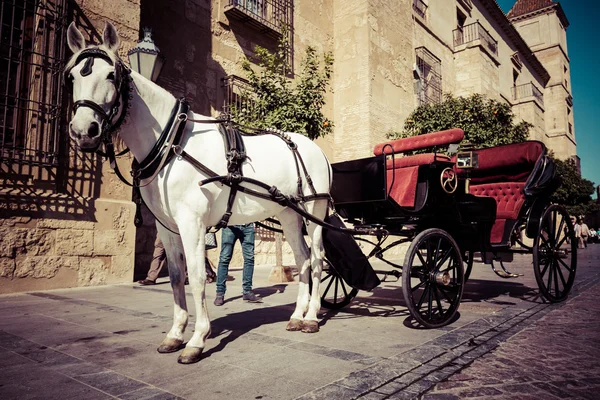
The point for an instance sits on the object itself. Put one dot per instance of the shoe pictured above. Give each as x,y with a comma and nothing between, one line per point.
220,299
251,297
146,282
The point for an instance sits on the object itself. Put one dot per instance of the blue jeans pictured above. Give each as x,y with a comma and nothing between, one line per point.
229,234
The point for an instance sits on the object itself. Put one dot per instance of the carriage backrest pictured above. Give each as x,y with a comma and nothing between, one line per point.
420,142
508,163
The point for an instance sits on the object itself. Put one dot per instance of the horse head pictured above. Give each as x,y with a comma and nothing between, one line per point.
96,76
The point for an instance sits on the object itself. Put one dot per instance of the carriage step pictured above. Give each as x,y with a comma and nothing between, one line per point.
504,273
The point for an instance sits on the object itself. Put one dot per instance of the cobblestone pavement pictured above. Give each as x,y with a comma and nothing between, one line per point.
550,351
99,343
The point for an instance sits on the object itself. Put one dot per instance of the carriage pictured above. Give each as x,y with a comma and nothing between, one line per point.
195,172
492,201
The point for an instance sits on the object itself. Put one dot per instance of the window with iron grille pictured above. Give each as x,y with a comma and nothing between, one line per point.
266,16
429,68
32,52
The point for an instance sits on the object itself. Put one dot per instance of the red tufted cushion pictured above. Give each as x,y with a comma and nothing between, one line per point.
508,195
419,142
509,198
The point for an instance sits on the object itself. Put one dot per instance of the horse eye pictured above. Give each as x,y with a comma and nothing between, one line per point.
111,76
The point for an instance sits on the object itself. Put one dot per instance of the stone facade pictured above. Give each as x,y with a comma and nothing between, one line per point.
87,236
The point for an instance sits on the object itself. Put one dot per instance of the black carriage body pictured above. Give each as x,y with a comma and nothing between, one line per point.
361,196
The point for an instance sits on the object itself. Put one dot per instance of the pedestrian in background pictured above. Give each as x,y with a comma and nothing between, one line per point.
229,235
159,259
585,233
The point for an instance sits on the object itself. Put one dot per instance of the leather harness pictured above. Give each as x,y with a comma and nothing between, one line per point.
168,146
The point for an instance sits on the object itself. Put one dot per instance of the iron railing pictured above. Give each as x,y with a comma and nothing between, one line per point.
32,52
430,71
267,16
528,90
237,94
420,8
475,31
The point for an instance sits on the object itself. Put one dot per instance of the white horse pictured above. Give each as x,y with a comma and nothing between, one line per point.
174,197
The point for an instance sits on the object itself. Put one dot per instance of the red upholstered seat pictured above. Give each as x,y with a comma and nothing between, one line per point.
403,172
502,173
416,160
419,142
508,195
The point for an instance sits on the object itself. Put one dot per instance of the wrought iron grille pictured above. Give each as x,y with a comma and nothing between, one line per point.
32,52
475,31
420,8
430,71
267,16
528,90
237,94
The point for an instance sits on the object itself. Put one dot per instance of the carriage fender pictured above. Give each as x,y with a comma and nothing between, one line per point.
535,215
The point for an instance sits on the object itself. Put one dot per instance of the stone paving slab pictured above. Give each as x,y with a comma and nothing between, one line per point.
100,343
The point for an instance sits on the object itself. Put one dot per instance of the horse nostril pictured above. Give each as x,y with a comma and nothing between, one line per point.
93,130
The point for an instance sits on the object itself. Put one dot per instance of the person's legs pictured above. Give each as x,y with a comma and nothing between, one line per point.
227,242
159,258
247,241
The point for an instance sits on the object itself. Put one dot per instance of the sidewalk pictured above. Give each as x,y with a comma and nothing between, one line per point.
100,342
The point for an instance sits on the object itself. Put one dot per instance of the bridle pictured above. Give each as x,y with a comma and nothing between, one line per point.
121,79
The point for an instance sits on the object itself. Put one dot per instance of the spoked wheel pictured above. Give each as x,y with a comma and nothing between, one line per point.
555,254
335,293
433,278
468,259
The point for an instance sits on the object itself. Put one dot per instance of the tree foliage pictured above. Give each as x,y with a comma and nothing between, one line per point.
575,192
274,101
486,122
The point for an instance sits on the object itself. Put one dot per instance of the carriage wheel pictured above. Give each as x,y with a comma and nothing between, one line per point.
433,278
335,293
555,254
468,259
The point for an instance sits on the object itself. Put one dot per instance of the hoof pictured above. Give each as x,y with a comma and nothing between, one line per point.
170,345
310,327
190,355
294,325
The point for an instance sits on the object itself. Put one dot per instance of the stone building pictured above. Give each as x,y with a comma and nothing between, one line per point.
66,220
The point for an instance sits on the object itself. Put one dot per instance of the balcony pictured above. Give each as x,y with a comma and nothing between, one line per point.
528,90
266,16
473,32
237,94
420,8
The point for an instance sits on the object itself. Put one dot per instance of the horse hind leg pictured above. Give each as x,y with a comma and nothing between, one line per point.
176,264
292,227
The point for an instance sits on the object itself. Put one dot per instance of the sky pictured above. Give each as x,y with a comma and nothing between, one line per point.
584,52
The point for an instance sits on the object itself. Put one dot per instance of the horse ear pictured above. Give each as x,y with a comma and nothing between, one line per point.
111,37
75,39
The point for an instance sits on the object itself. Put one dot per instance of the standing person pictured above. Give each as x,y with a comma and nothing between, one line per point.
245,234
577,228
585,233
159,259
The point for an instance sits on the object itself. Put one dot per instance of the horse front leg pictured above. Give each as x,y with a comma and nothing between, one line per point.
292,227
176,263
192,236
